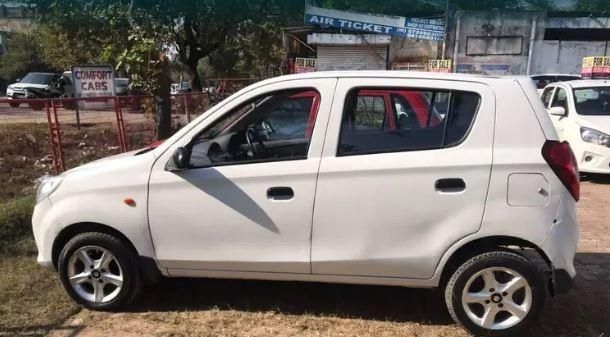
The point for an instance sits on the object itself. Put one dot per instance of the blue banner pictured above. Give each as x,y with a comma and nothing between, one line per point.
414,28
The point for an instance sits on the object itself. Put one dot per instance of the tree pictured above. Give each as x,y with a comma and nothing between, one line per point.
593,6
22,57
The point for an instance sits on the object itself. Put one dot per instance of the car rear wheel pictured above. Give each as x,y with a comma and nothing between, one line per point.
498,293
98,271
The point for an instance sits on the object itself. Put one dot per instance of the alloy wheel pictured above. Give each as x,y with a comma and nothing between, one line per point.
497,298
95,274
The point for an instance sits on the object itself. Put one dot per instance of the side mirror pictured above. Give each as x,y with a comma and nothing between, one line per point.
179,161
18,80
557,111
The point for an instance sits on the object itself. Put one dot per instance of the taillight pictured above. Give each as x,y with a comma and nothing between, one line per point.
561,159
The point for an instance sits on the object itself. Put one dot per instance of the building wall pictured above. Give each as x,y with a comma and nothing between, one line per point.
492,42
557,56
403,50
565,57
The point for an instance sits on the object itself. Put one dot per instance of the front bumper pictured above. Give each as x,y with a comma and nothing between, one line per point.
592,158
40,227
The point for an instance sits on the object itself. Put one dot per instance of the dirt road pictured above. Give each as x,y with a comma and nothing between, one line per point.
256,308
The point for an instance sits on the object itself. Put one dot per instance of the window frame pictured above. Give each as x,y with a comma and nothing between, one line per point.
299,91
551,96
390,90
555,93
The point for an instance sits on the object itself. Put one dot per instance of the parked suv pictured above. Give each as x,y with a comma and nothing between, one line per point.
387,178
40,81
580,111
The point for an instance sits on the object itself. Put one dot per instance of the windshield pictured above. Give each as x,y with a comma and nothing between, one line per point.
37,78
593,101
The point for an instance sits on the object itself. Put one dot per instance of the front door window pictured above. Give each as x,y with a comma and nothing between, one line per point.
272,127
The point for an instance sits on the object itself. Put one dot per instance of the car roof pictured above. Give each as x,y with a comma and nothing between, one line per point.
396,74
40,73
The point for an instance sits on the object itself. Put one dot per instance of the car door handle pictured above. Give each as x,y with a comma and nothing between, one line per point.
280,193
450,185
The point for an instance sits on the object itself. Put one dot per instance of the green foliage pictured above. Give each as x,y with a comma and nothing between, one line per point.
23,56
599,6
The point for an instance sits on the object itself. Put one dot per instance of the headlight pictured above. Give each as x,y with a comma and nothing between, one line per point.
47,187
594,136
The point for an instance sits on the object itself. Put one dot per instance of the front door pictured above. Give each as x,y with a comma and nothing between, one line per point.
391,200
246,202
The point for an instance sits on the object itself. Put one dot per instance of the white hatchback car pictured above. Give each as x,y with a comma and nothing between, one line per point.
317,177
580,111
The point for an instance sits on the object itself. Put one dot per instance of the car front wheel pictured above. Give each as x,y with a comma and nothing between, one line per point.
98,271
497,293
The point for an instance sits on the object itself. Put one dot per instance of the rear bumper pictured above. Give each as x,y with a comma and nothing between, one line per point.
561,241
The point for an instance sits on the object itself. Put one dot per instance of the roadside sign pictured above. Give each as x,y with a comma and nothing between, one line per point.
432,29
93,81
439,66
304,65
596,67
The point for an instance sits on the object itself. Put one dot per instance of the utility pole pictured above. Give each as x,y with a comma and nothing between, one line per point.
444,52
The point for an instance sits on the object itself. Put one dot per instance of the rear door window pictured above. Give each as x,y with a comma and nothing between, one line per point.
424,119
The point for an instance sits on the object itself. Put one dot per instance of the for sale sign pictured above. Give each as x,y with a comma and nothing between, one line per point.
92,81
304,65
439,66
596,67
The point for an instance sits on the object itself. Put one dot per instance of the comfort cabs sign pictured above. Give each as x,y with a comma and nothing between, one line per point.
92,81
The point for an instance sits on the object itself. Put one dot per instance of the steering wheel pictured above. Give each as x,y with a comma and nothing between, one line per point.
251,136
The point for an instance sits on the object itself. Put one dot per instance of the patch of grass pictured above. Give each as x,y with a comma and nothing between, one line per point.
16,227
32,301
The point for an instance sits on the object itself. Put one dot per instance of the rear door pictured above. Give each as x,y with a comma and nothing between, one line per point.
389,202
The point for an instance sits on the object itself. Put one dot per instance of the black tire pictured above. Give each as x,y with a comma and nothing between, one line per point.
14,105
503,259
124,256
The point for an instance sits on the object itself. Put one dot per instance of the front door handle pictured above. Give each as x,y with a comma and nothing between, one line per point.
280,193
450,185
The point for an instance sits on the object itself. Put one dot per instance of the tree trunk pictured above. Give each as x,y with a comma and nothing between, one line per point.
163,100
196,84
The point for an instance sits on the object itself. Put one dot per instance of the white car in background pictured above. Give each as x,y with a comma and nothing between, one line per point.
34,80
314,177
580,111
542,80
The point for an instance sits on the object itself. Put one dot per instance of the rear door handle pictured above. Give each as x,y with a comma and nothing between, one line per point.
280,193
450,185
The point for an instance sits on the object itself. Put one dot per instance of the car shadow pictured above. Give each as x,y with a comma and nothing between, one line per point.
296,298
584,311
213,183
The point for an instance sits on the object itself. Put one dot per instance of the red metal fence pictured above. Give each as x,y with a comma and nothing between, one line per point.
133,117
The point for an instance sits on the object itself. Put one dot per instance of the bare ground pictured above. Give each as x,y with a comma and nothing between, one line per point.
256,308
